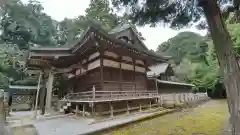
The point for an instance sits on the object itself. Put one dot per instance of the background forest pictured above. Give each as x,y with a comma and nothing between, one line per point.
26,25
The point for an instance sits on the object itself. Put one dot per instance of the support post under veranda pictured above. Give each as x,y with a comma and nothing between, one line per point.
77,109
111,109
128,109
83,111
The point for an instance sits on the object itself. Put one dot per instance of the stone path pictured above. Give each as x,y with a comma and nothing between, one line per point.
71,126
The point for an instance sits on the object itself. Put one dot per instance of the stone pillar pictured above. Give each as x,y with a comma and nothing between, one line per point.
49,91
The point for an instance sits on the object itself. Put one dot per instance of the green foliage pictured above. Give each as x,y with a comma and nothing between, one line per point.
177,13
234,30
25,24
194,56
194,59
98,14
185,43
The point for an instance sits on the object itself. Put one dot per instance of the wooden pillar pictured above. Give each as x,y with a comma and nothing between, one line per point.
145,65
156,83
111,109
128,109
77,109
134,76
33,100
37,94
101,68
93,93
49,91
93,109
140,107
120,74
83,111
42,97
176,97
150,105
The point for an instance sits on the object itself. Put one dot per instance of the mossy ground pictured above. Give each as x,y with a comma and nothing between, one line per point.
206,119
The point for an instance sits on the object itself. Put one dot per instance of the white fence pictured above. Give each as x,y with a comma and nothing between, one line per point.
182,97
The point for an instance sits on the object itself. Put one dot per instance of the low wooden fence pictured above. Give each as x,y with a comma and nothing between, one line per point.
109,95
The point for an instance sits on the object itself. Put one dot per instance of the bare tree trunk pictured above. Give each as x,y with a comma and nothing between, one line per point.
228,62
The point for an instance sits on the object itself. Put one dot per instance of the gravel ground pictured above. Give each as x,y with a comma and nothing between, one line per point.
207,119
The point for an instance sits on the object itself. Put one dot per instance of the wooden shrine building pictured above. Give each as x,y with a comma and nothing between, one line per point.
162,77
105,71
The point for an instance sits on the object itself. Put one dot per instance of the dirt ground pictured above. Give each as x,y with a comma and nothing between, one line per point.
207,119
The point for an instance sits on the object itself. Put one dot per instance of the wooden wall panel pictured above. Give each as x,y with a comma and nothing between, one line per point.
111,74
151,85
127,58
127,87
140,69
140,81
94,55
111,54
139,62
84,61
86,82
70,75
94,64
78,71
127,66
111,63
127,76
111,86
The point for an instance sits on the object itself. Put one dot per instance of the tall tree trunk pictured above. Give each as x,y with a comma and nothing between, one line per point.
228,62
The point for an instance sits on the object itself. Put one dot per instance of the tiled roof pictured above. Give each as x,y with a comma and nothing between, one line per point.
120,28
134,30
156,70
89,30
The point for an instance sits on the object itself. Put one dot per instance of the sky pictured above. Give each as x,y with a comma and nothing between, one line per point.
60,9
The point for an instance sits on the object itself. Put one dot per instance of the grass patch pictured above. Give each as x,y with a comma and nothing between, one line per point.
207,119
